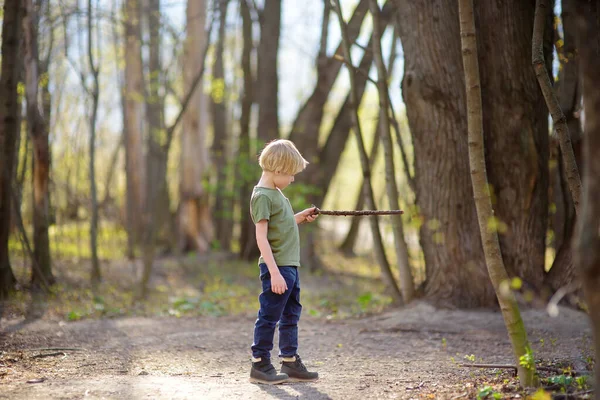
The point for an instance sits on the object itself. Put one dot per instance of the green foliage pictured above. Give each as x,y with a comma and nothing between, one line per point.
526,360
364,300
562,380
470,357
186,287
581,381
541,394
488,393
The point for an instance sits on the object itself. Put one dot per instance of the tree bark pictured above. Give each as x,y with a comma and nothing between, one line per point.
516,134
96,276
223,208
587,242
155,106
195,220
433,91
156,216
563,271
133,114
558,117
483,202
406,278
268,81
37,124
248,248
369,197
9,130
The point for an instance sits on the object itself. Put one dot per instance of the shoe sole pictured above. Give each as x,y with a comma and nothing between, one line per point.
261,381
302,380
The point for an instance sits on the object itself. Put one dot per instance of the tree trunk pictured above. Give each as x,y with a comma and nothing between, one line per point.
158,225
195,219
164,234
406,279
558,117
223,208
37,125
9,129
268,81
364,160
483,202
516,134
248,248
433,91
563,271
133,114
95,93
587,242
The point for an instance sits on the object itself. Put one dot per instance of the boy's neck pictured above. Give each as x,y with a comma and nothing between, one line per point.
266,180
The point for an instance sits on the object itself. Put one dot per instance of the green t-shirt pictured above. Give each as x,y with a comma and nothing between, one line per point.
283,236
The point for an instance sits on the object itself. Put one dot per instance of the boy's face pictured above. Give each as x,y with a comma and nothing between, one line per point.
282,181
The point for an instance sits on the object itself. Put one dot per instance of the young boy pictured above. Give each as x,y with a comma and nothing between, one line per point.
279,243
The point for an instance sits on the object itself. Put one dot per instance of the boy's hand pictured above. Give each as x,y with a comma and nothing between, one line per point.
307,215
278,285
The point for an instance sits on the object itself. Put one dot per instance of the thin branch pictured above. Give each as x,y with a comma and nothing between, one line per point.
558,117
410,179
187,98
354,68
360,46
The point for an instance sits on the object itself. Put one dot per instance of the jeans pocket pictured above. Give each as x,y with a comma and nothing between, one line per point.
264,272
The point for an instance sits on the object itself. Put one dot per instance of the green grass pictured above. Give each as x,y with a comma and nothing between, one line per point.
180,286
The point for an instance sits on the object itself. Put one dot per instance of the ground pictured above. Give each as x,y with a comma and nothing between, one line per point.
190,339
411,353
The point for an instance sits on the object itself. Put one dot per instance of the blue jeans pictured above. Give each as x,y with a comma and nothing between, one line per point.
283,308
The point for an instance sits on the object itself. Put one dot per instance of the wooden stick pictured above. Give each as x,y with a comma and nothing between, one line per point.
357,213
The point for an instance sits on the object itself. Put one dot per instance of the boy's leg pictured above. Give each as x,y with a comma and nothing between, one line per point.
288,324
271,308
288,338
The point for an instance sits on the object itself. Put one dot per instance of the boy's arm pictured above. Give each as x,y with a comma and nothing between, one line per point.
278,284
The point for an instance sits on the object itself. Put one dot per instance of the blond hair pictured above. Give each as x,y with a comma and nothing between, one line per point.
282,156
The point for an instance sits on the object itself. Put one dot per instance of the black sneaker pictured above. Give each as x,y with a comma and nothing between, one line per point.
297,371
264,372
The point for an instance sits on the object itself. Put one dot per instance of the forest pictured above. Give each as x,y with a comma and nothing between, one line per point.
130,132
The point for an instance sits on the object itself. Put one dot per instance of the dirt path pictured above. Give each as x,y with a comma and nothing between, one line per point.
402,354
